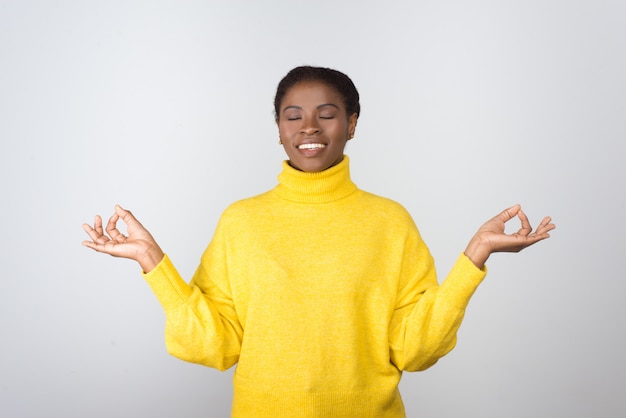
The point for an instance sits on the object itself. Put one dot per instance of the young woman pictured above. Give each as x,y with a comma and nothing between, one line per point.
321,293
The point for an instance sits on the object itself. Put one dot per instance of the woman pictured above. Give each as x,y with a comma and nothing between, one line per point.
320,292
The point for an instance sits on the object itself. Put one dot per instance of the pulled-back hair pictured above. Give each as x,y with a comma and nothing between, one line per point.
333,78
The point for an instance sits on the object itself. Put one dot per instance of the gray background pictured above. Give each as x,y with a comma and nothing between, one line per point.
166,108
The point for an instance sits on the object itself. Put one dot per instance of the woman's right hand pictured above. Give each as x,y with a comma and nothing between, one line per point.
139,245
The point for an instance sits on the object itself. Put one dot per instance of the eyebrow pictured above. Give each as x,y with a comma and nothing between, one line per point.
318,107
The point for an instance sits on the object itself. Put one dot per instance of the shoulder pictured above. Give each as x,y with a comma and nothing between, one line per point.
387,216
245,208
384,206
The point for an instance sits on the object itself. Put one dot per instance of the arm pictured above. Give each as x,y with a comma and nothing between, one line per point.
425,330
201,323
426,320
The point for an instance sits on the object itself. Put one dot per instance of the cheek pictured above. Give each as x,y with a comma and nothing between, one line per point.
340,129
283,130
285,136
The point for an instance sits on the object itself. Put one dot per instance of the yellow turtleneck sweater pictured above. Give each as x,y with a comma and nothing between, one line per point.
321,293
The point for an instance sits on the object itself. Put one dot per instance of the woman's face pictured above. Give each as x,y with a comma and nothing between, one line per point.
313,126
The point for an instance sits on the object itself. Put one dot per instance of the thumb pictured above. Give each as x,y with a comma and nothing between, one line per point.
509,213
124,214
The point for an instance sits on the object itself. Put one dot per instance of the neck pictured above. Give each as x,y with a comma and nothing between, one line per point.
329,185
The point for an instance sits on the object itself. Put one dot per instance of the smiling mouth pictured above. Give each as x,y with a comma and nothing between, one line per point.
311,146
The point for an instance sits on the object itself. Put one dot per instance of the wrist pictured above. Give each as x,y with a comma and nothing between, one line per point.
477,251
151,259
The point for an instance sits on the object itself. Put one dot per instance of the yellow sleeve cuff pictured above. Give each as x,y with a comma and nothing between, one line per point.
462,281
167,284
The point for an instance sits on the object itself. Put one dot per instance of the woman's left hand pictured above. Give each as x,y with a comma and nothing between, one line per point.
491,238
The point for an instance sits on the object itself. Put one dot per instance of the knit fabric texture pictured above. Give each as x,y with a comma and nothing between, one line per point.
321,293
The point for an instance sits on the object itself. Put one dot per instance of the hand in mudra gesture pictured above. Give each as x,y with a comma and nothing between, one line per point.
491,237
138,245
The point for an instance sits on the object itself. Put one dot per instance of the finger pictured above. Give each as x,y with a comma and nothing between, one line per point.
97,224
90,244
526,229
125,215
101,248
112,230
97,243
93,234
545,226
547,223
509,213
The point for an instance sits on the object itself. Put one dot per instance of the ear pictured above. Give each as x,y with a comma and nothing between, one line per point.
352,125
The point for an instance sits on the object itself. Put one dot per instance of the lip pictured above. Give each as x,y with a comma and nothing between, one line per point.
311,152
310,146
309,141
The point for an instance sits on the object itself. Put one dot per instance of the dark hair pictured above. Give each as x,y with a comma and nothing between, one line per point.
333,78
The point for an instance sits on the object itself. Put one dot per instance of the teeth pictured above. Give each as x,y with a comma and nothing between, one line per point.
311,146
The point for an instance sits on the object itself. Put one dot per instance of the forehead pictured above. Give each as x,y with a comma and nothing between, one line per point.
312,93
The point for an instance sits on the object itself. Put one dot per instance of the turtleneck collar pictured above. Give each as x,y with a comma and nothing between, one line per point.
320,187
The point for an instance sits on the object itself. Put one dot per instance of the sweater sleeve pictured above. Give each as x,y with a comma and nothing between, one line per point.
427,316
201,322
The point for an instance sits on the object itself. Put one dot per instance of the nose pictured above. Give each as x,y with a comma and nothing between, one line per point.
310,126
